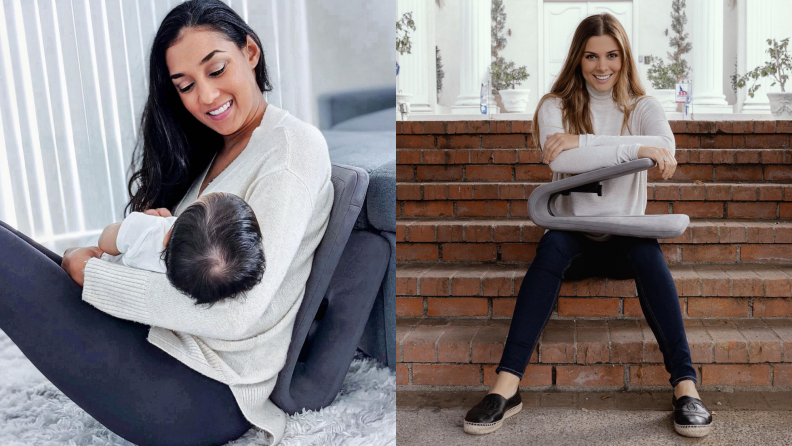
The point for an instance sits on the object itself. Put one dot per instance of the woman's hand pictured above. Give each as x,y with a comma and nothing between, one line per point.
74,260
658,154
159,212
557,143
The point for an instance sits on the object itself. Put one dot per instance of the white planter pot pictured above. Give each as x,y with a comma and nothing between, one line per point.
781,104
515,100
667,99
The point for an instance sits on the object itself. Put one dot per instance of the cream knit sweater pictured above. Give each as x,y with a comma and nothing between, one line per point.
284,175
625,195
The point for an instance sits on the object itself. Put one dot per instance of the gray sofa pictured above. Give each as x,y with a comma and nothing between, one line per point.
359,127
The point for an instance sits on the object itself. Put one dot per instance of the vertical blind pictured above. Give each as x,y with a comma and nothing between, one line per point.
73,83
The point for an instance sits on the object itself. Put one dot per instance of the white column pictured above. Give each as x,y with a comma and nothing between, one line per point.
705,18
475,54
758,28
414,68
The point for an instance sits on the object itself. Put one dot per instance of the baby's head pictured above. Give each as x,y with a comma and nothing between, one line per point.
214,249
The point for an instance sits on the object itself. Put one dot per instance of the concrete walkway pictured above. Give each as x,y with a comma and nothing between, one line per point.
596,418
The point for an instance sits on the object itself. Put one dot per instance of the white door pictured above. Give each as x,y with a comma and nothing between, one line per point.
560,21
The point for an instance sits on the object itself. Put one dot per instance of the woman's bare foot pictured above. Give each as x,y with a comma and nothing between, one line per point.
506,385
686,388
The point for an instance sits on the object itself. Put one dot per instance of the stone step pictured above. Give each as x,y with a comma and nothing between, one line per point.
706,131
511,241
489,292
590,353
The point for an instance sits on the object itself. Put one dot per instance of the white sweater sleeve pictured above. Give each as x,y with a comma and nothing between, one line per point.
654,129
283,207
580,159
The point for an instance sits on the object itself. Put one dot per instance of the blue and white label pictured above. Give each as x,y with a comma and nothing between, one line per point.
483,102
683,93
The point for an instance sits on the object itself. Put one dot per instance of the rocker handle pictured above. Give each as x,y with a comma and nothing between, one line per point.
541,207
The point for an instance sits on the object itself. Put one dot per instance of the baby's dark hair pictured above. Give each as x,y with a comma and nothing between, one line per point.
215,250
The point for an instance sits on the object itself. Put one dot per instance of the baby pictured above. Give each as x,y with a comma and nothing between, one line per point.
211,251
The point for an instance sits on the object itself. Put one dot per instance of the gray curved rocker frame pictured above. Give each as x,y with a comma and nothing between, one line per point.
542,211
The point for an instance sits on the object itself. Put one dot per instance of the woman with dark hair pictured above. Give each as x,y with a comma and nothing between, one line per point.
142,358
579,127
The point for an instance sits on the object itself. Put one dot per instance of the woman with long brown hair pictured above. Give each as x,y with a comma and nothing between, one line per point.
596,115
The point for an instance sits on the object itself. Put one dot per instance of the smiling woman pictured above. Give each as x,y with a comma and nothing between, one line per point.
580,127
128,347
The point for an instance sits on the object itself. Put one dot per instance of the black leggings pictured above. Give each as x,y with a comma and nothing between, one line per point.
105,364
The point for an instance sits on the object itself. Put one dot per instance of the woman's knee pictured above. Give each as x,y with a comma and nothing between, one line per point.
559,244
556,251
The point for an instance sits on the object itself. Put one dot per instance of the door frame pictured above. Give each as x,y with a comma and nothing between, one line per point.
540,36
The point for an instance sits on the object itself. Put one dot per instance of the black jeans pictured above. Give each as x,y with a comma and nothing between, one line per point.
105,364
572,256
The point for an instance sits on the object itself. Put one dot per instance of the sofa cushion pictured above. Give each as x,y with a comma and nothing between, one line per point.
375,152
383,121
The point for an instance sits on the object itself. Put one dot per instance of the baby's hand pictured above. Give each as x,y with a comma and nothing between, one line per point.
159,212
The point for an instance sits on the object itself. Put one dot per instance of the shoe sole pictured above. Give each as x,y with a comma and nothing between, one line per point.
696,431
486,428
692,431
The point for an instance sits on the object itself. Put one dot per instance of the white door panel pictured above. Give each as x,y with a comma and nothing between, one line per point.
560,21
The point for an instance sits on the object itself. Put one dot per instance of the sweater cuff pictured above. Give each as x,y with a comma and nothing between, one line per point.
634,151
102,288
582,140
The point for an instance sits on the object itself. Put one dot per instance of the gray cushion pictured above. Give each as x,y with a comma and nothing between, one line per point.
541,208
339,106
382,121
375,152
350,184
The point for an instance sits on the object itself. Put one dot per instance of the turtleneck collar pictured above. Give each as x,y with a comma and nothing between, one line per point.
599,95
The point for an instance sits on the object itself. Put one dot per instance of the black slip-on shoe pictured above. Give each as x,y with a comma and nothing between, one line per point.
488,415
691,417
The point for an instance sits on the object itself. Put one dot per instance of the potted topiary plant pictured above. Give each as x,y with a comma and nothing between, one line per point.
403,45
505,76
664,77
505,79
439,73
777,67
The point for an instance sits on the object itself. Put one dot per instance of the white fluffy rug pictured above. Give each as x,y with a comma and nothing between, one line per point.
34,412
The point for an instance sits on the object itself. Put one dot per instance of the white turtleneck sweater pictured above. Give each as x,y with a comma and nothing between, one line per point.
625,195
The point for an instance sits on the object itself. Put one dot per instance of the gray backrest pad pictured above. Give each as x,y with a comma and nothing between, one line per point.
543,214
349,184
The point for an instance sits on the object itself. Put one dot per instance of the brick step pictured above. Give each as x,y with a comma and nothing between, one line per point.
466,171
510,241
589,353
732,231
666,191
501,206
503,155
489,291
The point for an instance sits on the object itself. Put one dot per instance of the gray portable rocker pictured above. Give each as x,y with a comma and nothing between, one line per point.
348,268
542,211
